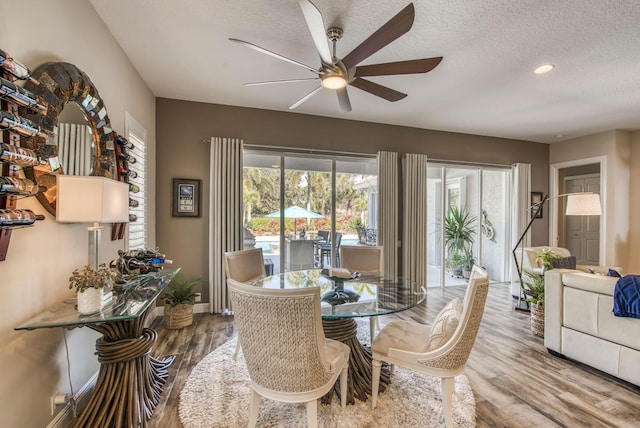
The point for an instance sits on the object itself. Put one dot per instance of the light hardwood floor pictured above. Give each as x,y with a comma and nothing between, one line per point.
516,382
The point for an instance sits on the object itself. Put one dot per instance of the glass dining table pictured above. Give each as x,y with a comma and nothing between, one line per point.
344,300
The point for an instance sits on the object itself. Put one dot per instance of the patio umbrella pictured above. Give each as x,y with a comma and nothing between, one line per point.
296,212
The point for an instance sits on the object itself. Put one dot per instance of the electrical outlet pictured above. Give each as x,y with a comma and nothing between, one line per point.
58,400
198,297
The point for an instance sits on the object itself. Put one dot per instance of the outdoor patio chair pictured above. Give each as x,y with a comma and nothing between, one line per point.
293,365
440,350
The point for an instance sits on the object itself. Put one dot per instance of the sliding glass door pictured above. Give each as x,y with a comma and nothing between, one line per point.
467,223
300,208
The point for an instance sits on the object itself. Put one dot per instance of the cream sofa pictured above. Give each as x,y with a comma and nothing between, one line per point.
580,325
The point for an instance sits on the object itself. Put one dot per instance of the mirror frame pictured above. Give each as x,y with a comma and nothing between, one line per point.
62,83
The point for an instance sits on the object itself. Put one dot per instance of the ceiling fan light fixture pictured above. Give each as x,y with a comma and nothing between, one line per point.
545,68
334,82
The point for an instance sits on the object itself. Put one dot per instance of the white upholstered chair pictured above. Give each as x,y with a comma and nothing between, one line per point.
441,349
283,343
368,260
244,266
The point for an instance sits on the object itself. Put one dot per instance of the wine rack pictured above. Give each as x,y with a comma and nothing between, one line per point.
15,102
123,158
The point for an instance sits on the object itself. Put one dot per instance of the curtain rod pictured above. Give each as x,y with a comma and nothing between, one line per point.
293,150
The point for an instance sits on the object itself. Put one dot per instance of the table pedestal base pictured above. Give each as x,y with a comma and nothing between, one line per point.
360,361
130,380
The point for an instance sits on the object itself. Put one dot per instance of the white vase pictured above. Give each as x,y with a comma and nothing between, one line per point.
90,300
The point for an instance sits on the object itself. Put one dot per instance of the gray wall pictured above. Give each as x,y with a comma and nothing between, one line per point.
182,126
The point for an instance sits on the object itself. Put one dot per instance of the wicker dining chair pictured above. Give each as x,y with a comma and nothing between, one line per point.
368,260
441,349
283,343
244,266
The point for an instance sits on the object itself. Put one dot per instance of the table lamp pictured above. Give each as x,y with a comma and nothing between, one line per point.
91,199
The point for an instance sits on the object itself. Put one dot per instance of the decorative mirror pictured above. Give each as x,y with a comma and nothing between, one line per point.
62,85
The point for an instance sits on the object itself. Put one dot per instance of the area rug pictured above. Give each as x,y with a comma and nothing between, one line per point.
217,393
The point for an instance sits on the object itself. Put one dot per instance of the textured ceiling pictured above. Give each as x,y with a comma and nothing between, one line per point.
485,85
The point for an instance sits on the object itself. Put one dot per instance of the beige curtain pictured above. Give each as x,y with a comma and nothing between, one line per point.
414,218
520,215
74,148
225,215
388,210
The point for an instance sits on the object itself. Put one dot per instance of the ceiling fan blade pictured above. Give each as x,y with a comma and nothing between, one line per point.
401,67
318,31
273,54
377,90
343,100
394,28
269,82
305,98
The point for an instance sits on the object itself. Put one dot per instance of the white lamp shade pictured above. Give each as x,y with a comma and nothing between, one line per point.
584,204
91,200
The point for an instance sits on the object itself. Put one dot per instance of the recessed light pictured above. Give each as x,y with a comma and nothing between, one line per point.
560,135
544,69
275,166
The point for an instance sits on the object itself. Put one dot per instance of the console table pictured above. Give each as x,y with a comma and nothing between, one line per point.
130,379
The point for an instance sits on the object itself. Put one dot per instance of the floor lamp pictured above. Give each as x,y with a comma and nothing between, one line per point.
92,199
581,203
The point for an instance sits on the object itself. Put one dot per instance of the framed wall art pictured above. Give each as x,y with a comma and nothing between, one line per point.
536,198
186,197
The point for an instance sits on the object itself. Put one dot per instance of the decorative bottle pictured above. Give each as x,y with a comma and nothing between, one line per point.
15,68
19,186
18,217
18,155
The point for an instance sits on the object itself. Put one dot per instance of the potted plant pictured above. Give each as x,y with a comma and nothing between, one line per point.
178,302
459,238
90,284
469,261
357,224
533,288
547,256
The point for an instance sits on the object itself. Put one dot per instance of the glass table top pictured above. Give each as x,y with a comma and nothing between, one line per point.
128,304
366,296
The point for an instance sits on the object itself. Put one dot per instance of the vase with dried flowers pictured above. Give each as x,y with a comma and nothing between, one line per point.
90,284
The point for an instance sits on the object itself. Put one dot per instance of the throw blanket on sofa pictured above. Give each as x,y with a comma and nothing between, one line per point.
626,297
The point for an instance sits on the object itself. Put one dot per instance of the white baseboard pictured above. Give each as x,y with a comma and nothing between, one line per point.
64,418
198,308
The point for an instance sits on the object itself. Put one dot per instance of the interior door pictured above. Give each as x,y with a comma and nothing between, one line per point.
582,233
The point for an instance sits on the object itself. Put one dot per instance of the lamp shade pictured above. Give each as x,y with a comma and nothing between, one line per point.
583,204
91,200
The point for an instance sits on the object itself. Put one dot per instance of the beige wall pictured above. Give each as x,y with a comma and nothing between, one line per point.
40,259
182,125
615,147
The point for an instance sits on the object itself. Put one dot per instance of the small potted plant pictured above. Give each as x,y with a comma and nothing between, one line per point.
90,284
469,261
533,287
178,303
547,256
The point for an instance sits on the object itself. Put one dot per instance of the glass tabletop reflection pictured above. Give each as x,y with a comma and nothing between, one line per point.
365,296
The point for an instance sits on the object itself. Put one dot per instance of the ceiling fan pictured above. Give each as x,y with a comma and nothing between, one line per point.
335,73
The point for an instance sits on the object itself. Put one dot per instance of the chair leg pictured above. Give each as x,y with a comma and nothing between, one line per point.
253,411
372,327
235,354
448,387
343,385
312,414
375,382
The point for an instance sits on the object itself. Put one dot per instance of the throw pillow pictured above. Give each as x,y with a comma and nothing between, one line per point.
565,263
614,273
445,324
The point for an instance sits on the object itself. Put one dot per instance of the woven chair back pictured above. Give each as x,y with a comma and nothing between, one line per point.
280,331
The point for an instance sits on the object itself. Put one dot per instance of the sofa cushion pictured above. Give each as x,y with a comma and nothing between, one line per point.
595,283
